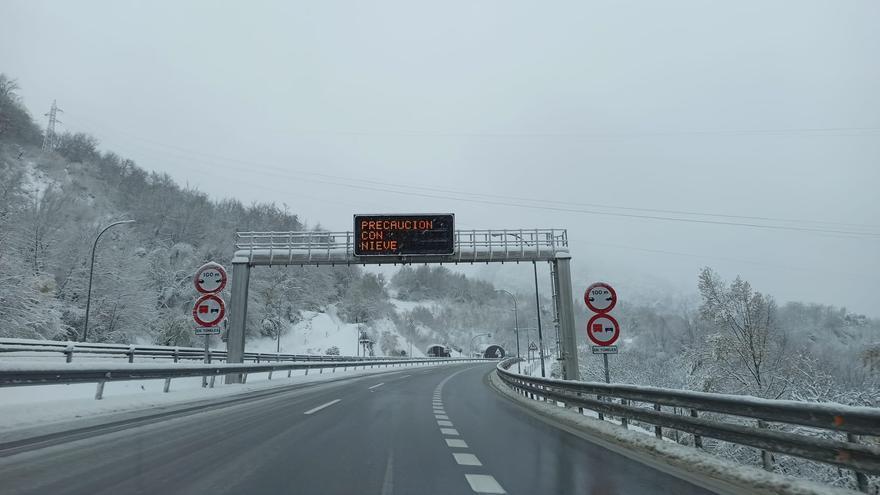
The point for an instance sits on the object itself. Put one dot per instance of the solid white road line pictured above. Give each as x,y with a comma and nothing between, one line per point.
456,442
376,385
311,411
467,459
449,431
483,483
442,422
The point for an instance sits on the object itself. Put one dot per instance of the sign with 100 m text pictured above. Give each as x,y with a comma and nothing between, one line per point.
404,235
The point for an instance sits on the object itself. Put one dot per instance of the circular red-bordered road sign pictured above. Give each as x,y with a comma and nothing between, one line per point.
600,297
209,310
603,330
211,278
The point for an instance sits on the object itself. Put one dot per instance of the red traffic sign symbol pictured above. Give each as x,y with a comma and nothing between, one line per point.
210,278
209,310
603,330
600,297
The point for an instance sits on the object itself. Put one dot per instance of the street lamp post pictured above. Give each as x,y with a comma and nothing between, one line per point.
515,327
475,337
91,273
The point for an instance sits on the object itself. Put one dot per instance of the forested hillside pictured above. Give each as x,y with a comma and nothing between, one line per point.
52,204
51,207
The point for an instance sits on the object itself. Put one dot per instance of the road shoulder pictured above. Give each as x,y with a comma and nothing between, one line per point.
700,468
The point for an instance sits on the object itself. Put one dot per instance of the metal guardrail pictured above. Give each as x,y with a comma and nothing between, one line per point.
52,375
847,421
22,347
470,246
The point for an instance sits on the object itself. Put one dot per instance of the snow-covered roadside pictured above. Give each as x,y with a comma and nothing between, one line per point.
682,458
45,405
319,331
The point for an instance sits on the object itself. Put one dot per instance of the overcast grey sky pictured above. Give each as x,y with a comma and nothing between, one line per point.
747,108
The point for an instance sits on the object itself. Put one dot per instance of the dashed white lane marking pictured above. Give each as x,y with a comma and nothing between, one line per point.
388,483
480,483
483,483
376,385
322,406
467,459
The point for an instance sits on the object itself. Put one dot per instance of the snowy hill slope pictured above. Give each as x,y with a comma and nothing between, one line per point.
317,332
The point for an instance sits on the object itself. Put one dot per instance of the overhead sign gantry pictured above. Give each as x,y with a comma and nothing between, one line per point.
405,239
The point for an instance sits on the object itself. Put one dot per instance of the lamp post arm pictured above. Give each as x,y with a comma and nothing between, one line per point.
91,275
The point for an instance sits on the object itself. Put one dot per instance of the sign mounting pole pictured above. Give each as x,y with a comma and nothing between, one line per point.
607,376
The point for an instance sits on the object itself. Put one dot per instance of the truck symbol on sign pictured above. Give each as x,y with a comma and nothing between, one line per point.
597,327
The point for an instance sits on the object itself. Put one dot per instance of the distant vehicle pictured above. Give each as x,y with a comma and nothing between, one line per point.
437,350
494,351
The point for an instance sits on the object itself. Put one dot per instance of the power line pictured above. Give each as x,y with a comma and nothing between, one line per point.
717,258
505,200
520,198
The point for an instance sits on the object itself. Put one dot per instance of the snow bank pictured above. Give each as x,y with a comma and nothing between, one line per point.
45,405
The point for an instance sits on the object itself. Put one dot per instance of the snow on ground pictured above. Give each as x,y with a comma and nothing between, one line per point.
317,332
36,181
401,305
27,406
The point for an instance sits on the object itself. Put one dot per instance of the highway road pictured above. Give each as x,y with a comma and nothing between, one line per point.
438,430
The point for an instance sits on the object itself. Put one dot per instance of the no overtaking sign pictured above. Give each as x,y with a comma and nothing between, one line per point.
208,310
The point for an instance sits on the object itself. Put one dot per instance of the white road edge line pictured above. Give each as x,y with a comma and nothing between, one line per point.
376,385
316,409
483,483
